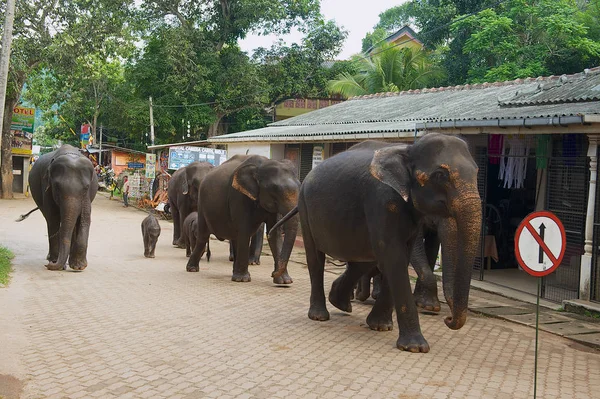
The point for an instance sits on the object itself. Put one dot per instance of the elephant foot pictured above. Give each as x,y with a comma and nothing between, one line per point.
339,297
149,255
380,323
51,258
426,299
54,266
283,279
362,295
241,277
415,343
254,261
78,266
192,268
318,314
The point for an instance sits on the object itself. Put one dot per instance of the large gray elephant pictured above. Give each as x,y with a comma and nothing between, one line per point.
63,185
364,206
236,198
183,195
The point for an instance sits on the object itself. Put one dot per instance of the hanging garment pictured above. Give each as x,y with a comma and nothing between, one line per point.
503,160
541,160
514,171
495,146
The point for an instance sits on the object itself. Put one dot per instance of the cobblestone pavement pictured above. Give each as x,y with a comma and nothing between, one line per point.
131,327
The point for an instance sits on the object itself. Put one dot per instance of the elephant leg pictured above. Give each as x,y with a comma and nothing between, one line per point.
315,260
203,234
275,244
364,284
256,245
146,238
231,250
341,288
380,317
242,253
393,260
52,216
425,292
182,236
376,285
190,244
79,243
176,224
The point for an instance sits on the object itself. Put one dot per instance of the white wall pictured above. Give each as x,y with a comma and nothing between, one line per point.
263,149
277,151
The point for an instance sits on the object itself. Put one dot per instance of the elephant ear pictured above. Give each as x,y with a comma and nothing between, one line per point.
390,165
185,187
245,179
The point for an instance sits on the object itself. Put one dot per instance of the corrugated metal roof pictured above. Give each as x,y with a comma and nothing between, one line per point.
323,132
554,96
564,89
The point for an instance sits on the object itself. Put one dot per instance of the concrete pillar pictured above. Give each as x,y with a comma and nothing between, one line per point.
585,278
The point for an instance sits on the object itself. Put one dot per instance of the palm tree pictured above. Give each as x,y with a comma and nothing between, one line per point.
389,69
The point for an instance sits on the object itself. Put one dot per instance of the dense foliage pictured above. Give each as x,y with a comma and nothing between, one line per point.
489,40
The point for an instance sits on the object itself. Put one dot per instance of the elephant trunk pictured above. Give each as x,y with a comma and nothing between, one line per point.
460,236
70,209
290,230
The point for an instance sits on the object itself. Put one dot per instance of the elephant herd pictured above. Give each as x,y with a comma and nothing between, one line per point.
377,206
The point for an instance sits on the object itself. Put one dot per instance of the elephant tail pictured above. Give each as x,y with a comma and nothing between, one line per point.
25,216
208,250
284,219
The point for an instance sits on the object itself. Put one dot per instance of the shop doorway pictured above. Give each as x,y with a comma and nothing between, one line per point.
18,173
548,172
511,194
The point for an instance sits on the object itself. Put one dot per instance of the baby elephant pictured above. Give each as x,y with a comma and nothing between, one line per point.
150,232
190,235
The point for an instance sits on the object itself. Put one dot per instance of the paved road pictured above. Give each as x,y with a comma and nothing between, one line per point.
131,327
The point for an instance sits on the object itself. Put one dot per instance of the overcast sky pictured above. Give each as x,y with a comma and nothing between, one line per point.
357,16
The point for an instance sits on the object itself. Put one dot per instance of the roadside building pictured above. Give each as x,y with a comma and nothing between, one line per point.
535,141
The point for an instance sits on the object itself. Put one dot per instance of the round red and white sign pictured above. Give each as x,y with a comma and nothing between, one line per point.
540,243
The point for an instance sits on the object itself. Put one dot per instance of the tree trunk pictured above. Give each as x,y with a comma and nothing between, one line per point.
6,169
9,18
213,130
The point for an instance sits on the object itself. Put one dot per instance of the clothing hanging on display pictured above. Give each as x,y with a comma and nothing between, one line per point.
495,148
513,164
541,152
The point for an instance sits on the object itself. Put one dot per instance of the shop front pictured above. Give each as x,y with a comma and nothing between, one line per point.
520,174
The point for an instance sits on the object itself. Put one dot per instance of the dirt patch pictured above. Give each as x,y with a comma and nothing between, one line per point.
10,387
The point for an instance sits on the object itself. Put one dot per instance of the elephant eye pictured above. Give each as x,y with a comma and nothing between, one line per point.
439,175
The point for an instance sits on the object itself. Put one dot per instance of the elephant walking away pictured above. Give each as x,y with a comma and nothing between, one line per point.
235,199
256,245
364,206
150,234
190,235
63,185
183,195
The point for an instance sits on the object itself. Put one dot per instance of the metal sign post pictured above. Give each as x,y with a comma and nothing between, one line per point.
540,243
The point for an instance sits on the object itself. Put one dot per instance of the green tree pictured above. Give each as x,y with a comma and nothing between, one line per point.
390,69
526,38
51,35
302,70
505,40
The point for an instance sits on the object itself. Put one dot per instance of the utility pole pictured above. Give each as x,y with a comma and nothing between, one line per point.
9,19
151,123
100,154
